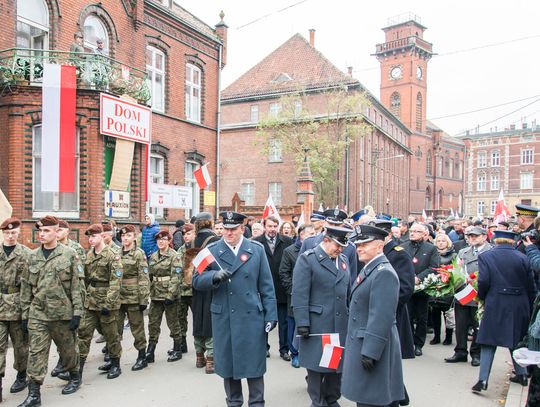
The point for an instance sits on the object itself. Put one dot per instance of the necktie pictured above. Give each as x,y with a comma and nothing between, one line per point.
271,244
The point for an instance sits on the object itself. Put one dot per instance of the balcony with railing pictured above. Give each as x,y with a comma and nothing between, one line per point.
403,43
24,67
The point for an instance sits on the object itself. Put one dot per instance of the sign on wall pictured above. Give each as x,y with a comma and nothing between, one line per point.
170,196
125,120
117,204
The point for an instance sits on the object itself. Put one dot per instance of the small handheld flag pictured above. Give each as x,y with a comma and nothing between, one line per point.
466,295
331,356
203,260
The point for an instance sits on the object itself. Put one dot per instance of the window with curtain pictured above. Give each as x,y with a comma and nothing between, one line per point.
495,182
155,67
274,189
526,180
248,193
32,24
480,207
95,30
481,182
193,93
274,151
191,182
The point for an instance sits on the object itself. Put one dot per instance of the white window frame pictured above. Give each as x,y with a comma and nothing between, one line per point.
481,182
297,108
482,159
480,207
527,156
71,213
495,182
275,189
493,206
275,151
193,102
157,178
526,180
496,158
152,71
254,114
249,196
275,109
189,168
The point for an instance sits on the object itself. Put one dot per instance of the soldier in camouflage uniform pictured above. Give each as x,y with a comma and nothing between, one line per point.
186,253
103,270
13,263
51,309
165,281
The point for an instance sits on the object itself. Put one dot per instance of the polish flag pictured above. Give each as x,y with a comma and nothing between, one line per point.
271,210
301,220
331,356
424,216
202,176
466,295
502,213
203,260
59,102
330,339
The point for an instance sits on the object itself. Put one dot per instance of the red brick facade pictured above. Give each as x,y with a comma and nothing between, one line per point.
131,27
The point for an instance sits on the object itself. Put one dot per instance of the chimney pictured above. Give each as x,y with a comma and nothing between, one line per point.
349,70
312,37
221,31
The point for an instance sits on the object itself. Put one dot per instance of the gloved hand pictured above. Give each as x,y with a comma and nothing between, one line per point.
24,325
269,325
105,312
304,331
221,275
75,322
368,364
168,302
142,307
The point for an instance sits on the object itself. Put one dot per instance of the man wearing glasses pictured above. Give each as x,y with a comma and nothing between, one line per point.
525,216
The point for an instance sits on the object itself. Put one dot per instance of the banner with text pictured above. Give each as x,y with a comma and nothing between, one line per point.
170,196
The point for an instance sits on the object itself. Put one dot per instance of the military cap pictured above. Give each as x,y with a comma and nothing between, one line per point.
505,234
356,216
162,234
232,219
506,224
48,220
127,229
476,230
63,224
526,210
338,234
179,223
94,229
203,216
335,216
107,227
188,227
316,215
10,223
367,233
382,224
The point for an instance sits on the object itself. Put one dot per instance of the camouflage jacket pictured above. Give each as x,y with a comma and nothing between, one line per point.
78,248
164,277
50,289
103,273
12,268
184,261
135,287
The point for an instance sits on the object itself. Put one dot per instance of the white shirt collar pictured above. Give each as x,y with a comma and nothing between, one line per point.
236,248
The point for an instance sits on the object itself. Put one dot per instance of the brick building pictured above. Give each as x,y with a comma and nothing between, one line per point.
502,160
436,172
375,168
155,52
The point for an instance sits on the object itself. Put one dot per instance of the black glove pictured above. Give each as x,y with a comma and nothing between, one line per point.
142,307
75,322
24,325
168,302
221,275
368,364
269,325
303,331
105,311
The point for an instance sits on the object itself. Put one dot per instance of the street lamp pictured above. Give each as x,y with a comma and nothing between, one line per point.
375,158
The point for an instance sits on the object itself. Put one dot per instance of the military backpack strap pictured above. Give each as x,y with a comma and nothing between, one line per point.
206,241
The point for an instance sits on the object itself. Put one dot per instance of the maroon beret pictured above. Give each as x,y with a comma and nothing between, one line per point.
162,234
10,223
63,224
187,227
107,227
127,229
47,221
94,229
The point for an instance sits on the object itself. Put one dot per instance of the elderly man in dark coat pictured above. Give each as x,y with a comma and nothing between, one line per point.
320,291
372,371
243,309
506,285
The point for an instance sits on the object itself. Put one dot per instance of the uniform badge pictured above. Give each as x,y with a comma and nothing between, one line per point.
10,226
117,257
336,212
178,270
244,257
415,260
145,270
118,273
229,215
358,279
80,268
343,266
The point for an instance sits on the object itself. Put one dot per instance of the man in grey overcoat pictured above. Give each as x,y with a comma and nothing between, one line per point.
243,310
320,291
372,371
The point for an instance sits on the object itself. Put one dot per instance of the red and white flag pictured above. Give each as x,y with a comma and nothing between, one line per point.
424,216
202,176
203,260
330,339
59,98
331,356
466,295
502,213
270,210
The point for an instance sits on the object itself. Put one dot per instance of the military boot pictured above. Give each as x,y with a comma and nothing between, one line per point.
200,361
81,367
73,384
63,376
209,365
176,354
59,368
34,396
107,357
150,357
141,362
115,369
106,366
20,382
183,345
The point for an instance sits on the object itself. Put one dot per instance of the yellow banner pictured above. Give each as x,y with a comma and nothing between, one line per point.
123,160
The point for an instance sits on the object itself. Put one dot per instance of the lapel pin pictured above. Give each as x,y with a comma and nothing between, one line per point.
244,257
343,266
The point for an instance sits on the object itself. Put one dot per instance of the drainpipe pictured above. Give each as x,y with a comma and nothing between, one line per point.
218,131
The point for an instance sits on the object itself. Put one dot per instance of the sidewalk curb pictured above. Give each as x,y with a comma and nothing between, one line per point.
517,395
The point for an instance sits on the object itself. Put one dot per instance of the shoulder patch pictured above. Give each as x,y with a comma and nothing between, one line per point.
177,270
80,269
398,248
118,273
308,252
117,257
145,270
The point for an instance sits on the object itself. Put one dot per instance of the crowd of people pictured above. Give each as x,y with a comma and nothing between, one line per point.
352,282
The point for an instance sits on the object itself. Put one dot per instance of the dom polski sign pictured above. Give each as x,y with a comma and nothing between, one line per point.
125,120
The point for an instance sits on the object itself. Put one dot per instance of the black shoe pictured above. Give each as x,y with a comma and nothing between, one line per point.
150,357
475,361
285,357
107,358
479,386
183,345
141,362
176,353
73,384
519,379
435,341
115,369
455,358
59,368
63,376
448,337
20,382
418,351
106,366
34,396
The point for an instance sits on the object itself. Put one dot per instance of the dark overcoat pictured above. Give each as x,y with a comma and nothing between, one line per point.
506,285
286,268
373,333
319,298
274,260
240,307
402,263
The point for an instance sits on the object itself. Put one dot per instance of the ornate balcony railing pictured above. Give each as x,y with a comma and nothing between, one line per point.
24,66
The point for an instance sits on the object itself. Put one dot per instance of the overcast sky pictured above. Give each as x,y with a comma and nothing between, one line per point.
489,50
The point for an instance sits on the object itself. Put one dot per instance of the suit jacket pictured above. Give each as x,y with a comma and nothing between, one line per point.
274,260
290,255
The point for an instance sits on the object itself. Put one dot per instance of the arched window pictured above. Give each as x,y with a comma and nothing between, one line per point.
429,163
419,112
32,24
95,30
395,103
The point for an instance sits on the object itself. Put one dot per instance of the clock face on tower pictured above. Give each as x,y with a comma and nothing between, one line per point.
395,72
419,72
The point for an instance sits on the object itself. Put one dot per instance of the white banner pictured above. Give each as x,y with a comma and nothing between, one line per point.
117,204
170,196
126,120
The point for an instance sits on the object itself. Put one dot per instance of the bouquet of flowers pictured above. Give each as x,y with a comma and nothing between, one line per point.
443,282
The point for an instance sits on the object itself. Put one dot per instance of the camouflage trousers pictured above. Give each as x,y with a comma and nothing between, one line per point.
155,314
204,344
20,345
40,334
109,328
184,303
136,324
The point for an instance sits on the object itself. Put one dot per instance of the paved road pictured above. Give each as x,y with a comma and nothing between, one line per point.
430,381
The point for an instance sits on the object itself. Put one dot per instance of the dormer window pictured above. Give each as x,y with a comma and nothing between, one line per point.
282,77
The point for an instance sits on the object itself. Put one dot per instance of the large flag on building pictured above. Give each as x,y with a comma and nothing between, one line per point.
270,210
502,213
59,98
202,176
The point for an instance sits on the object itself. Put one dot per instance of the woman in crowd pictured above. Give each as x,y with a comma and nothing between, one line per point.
287,229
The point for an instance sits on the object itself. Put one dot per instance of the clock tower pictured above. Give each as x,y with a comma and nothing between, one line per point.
403,57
